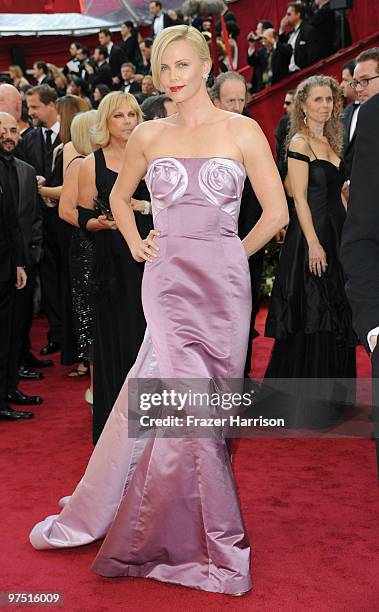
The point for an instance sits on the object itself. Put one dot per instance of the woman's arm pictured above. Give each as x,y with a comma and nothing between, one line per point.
69,152
264,176
298,173
133,169
69,197
87,192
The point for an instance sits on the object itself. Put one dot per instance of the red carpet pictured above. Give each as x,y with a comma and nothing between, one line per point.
310,506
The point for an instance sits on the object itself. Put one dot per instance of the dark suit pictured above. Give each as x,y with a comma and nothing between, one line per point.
29,216
167,22
360,237
306,46
348,145
281,134
324,22
259,60
116,58
47,81
250,212
41,159
102,76
11,255
134,87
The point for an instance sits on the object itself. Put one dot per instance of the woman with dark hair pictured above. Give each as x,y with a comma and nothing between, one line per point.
99,93
309,315
130,44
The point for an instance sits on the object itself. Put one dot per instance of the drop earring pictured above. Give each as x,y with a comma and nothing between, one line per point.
305,118
205,77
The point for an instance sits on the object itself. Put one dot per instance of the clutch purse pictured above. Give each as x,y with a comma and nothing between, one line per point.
103,208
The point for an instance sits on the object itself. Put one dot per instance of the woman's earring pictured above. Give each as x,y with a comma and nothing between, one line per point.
305,118
205,77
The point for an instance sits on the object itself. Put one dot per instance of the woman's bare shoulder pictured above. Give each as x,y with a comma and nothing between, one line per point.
299,144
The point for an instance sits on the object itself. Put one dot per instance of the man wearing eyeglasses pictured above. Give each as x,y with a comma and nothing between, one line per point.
360,239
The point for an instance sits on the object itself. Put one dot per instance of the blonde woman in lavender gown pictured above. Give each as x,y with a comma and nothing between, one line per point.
167,507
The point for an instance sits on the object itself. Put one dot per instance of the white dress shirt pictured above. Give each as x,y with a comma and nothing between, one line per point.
354,120
292,41
158,24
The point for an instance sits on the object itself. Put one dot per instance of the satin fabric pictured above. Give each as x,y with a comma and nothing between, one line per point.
168,507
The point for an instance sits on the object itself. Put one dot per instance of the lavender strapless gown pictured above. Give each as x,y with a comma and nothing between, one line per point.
168,507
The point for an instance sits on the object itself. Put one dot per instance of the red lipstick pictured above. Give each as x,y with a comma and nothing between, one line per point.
177,88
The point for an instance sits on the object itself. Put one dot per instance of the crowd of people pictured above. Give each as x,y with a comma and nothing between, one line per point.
122,203
61,150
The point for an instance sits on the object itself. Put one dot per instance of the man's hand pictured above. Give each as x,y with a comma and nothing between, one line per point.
346,190
40,180
21,277
279,237
115,80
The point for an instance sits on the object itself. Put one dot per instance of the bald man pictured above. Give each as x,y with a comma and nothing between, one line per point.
21,178
10,101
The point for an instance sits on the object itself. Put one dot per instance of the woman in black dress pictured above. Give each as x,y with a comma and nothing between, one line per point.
82,244
119,323
309,315
67,107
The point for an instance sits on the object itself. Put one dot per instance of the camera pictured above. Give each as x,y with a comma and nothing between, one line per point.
252,39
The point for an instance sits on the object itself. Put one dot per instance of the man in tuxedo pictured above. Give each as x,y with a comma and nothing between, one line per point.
100,72
12,275
271,61
21,178
229,93
324,22
72,67
128,82
116,56
41,74
145,48
302,38
281,133
349,118
38,149
161,19
360,238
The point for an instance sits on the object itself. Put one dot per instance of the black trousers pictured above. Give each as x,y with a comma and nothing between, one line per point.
7,296
255,265
50,271
21,324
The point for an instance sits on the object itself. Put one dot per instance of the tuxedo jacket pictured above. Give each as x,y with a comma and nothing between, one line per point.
103,75
306,46
360,236
348,147
47,81
11,249
167,22
134,87
281,57
29,213
34,151
324,21
116,58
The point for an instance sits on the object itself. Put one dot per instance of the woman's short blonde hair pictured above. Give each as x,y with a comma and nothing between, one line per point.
169,35
81,127
108,105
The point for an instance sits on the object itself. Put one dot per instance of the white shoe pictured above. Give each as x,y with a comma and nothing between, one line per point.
88,396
